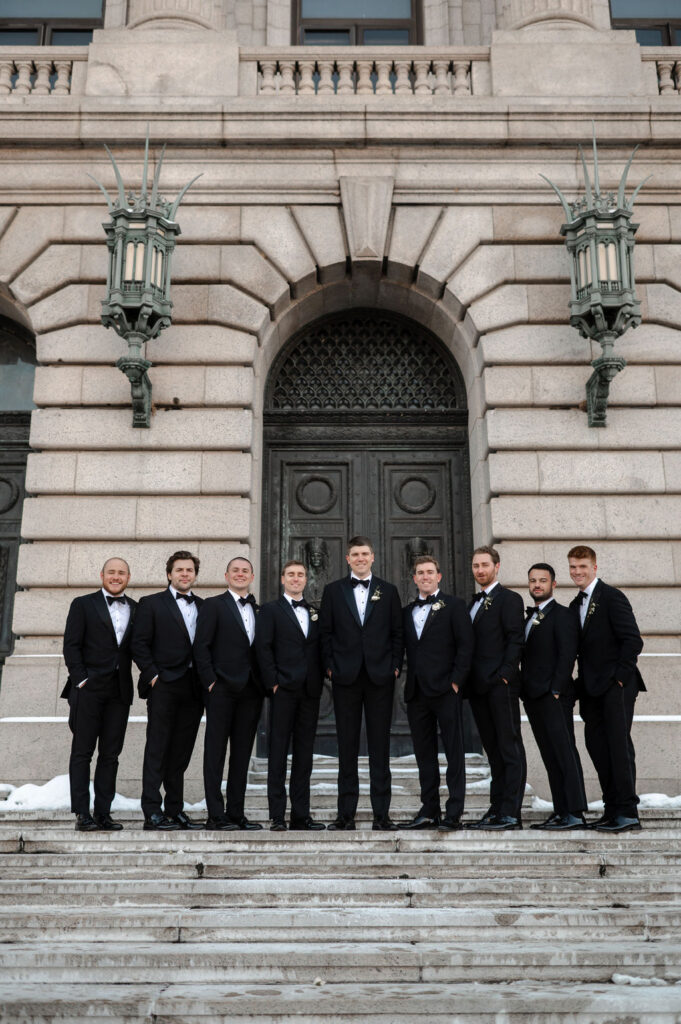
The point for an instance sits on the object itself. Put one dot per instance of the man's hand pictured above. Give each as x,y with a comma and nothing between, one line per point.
620,684
397,672
455,688
275,688
153,682
556,696
504,681
211,686
328,673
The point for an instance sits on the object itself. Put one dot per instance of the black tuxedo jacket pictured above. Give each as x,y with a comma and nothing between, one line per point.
499,636
287,657
549,654
609,642
346,643
90,648
444,653
161,645
222,652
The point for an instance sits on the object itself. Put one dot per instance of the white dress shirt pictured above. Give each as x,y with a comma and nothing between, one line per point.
419,615
120,615
476,607
584,607
361,595
533,620
302,614
247,614
189,612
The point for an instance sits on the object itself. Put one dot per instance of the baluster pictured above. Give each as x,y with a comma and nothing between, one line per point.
6,72
402,83
664,71
325,85
677,73
24,70
462,83
345,83
42,81
441,69
422,85
383,85
364,84
287,85
306,83
268,69
62,84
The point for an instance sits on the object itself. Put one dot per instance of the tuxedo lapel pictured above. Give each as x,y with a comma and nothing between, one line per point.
537,625
592,605
373,587
231,604
289,612
131,619
103,612
176,613
349,595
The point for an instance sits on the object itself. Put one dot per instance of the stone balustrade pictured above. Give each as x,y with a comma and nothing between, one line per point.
40,71
668,63
362,71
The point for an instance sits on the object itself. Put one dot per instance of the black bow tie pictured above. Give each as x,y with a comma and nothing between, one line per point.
582,596
530,610
479,597
359,583
112,600
420,602
189,598
299,604
247,600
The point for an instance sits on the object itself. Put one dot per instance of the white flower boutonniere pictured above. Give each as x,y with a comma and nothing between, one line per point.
376,596
487,603
538,617
592,608
437,605
314,614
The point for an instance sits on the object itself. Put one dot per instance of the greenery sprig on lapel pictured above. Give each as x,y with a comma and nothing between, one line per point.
592,608
437,605
377,595
314,614
487,603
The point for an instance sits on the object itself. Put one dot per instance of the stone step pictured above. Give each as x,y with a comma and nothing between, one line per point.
352,1003
282,962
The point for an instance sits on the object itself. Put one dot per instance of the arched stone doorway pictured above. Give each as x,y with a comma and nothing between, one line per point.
365,432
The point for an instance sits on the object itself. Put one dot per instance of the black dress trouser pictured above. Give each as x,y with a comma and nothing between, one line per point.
173,718
551,721
425,714
293,723
97,718
497,716
607,735
230,718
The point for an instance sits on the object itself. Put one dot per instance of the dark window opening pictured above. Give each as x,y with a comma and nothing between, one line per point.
49,22
655,22
356,22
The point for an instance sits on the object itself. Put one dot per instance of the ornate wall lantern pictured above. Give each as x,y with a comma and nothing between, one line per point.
140,237
599,236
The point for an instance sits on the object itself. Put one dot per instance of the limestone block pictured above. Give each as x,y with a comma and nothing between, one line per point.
411,230
601,472
542,262
536,343
366,206
321,228
504,305
654,224
193,429
203,343
45,565
668,385
484,269
196,263
634,516
563,385
204,224
274,231
480,484
219,303
622,563
667,270
650,343
627,429
6,215
548,303
671,462
513,472
80,343
195,518
31,687
72,304
229,386
664,304
247,269
58,266
136,472
84,223
508,385
61,385
535,223
460,231
27,235
51,473
171,385
48,517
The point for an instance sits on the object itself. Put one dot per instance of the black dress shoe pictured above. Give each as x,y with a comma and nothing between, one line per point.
105,823
384,825
599,821
565,823
159,823
620,824
419,821
449,825
186,823
278,825
86,823
342,825
501,823
481,822
248,826
547,821
221,824
307,825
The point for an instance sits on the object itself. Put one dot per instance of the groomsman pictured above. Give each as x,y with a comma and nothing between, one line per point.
289,656
162,648
497,617
439,644
225,659
99,691
360,624
548,693
608,683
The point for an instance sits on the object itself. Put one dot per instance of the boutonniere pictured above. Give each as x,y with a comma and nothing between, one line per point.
314,614
437,605
487,603
539,616
376,596
592,608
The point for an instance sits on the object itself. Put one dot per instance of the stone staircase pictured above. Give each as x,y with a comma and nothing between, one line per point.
295,928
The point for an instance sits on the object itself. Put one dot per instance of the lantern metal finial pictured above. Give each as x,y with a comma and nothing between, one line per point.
141,238
599,236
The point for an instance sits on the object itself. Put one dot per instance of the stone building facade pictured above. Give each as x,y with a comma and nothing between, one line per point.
385,203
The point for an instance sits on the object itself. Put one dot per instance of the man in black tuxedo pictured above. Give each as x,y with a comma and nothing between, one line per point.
360,624
162,648
608,683
289,656
99,691
439,643
225,659
497,617
548,693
